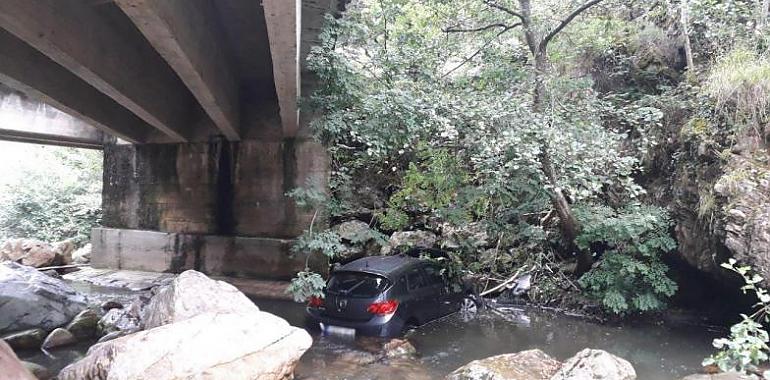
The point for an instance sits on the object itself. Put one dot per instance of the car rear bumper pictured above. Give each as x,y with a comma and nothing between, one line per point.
386,326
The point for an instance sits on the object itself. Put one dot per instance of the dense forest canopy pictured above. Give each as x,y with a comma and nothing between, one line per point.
546,125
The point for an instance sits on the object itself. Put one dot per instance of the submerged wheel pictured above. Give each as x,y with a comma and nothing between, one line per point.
469,305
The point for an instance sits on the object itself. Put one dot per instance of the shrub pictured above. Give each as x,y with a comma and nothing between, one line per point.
631,276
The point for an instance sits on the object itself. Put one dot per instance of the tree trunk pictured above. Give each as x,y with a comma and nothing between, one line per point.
569,226
685,21
763,12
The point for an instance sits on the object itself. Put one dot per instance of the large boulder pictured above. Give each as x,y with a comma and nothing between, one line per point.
408,239
11,367
190,294
233,346
83,326
525,365
471,234
591,364
29,252
30,299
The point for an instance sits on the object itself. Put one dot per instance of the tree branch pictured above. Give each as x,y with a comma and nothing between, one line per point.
504,9
466,60
478,29
566,22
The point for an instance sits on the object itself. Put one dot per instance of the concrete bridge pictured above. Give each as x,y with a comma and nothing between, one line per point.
194,103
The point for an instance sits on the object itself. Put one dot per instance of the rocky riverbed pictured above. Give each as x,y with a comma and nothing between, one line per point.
167,321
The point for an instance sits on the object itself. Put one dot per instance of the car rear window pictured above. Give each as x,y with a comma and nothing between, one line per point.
355,284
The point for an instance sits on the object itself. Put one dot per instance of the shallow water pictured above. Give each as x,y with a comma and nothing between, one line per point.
657,351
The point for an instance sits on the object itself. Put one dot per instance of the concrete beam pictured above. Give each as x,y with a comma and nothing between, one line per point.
284,22
93,46
23,119
187,36
30,72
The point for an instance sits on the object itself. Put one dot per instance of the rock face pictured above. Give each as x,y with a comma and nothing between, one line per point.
253,345
525,365
409,239
358,239
191,294
10,365
26,339
592,364
30,299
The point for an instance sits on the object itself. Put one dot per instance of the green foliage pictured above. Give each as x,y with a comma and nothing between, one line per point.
326,243
740,82
746,346
58,200
631,276
305,285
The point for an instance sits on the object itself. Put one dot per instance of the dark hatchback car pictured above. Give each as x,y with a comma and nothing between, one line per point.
383,295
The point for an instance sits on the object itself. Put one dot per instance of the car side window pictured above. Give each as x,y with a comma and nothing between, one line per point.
414,279
433,273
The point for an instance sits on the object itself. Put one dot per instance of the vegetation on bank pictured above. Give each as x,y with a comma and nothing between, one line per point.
52,194
546,123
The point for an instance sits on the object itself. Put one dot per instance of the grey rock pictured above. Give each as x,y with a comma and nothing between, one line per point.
26,339
30,299
399,348
116,334
591,364
59,337
83,326
40,372
111,305
118,320
407,239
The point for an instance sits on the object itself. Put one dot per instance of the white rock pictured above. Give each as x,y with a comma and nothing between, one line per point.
190,294
524,365
253,346
82,255
30,299
59,337
591,364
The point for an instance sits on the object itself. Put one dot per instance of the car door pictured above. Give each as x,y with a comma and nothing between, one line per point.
440,288
422,300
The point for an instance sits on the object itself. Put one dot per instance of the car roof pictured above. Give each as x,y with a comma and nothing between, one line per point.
387,266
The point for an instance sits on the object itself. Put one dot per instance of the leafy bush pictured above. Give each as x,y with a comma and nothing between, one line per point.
741,81
630,276
307,284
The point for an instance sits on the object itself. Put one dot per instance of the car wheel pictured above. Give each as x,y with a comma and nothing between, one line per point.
469,305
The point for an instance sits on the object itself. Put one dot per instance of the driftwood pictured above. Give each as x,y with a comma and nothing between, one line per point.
64,266
504,283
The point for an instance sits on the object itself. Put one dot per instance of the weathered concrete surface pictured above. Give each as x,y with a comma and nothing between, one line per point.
234,256
211,188
27,120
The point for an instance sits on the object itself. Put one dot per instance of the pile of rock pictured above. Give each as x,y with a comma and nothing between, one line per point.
40,254
588,364
197,327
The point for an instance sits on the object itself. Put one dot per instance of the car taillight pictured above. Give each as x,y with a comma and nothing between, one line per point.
383,308
315,302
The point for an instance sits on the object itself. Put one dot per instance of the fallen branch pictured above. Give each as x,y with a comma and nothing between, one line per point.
64,266
502,285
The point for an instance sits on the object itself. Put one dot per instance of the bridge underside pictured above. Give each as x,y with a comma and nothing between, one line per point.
194,105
